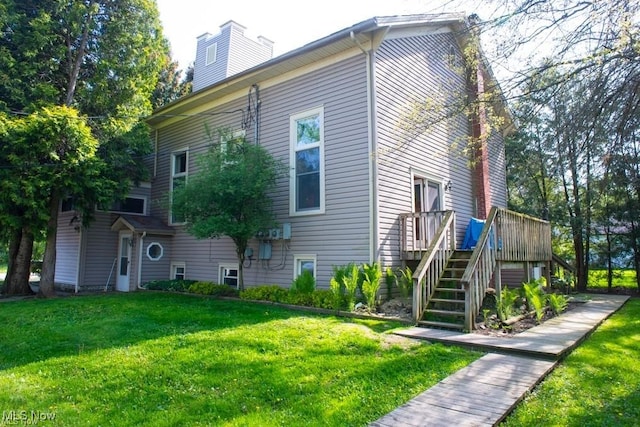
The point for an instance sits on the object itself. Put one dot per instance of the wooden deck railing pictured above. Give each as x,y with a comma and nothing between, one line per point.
428,272
523,238
418,229
506,236
477,276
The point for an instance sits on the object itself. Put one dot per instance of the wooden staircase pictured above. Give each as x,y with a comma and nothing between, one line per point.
446,308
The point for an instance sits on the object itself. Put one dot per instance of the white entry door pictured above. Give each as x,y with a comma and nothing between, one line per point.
124,262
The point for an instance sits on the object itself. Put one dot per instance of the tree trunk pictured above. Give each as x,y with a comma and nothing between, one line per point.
20,249
49,260
240,250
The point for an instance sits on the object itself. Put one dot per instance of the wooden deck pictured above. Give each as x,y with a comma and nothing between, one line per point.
552,340
485,392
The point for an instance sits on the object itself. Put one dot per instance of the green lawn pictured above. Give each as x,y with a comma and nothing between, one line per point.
622,278
162,359
597,385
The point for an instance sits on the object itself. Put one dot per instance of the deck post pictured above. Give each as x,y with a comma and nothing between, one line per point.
497,278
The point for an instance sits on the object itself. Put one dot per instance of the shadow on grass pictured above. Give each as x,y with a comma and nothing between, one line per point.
36,329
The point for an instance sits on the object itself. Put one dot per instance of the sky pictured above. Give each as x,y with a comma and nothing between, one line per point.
288,23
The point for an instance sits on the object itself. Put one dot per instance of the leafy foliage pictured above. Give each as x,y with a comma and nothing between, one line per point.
209,288
505,305
557,302
405,281
169,285
229,194
351,282
371,283
536,297
305,283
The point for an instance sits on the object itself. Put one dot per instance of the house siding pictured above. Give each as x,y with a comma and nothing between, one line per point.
408,70
338,236
497,170
160,269
100,248
68,249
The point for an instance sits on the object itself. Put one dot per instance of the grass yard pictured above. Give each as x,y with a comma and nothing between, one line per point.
162,359
596,385
622,278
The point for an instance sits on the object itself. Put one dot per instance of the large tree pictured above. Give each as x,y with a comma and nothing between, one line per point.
230,194
101,57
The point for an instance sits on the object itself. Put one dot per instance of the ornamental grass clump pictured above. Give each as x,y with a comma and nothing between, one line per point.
558,303
371,283
350,282
536,297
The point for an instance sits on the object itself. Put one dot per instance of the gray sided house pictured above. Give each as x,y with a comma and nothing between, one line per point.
385,100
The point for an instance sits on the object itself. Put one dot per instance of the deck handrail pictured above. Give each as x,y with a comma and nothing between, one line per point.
477,276
432,264
506,236
418,229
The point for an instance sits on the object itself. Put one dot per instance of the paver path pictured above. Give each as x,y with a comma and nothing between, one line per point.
487,390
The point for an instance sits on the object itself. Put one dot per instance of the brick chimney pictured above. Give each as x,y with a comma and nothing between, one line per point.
479,133
227,53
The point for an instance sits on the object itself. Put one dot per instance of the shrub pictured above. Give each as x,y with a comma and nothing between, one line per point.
305,283
337,293
558,303
390,280
208,288
505,304
169,285
273,293
405,281
371,283
323,298
536,298
350,283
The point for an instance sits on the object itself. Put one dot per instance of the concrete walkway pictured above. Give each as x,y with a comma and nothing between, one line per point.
487,390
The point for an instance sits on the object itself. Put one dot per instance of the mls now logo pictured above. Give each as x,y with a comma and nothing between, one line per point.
26,417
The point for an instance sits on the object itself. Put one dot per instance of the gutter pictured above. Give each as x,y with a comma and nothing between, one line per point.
374,227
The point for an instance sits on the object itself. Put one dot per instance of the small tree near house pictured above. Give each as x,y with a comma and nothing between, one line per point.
229,195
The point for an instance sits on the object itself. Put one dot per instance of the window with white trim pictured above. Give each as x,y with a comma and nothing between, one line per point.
228,275
179,170
306,133
212,54
230,139
155,251
133,205
178,271
304,263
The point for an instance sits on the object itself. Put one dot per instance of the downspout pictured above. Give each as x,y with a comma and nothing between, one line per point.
142,236
374,228
155,157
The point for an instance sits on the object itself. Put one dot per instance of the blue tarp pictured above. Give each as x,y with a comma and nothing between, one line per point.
471,236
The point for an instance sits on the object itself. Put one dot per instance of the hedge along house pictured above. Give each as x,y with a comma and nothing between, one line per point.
403,156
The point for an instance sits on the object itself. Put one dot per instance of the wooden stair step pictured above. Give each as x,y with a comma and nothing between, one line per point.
443,325
444,312
447,300
453,290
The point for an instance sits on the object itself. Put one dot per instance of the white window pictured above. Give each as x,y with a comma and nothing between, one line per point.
230,138
133,205
306,133
178,271
155,251
228,275
212,54
179,170
302,263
